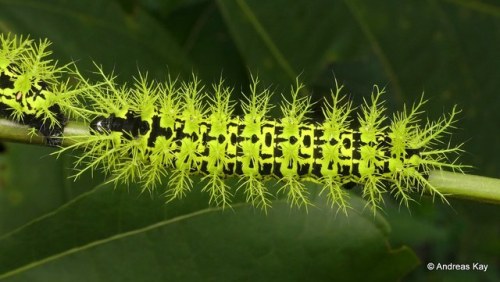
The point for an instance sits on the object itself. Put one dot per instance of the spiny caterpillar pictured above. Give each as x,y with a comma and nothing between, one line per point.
152,129
143,132
31,90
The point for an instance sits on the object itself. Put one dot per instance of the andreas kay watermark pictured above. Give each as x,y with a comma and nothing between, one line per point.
475,266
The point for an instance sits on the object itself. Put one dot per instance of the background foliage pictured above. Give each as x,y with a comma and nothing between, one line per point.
53,228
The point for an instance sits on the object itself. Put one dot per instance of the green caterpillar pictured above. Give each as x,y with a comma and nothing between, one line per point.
31,88
153,129
143,132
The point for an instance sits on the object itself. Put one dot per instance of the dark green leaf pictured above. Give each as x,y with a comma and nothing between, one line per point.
209,244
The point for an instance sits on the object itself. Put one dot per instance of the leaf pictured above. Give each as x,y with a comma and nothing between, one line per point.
19,193
107,34
280,46
208,244
94,215
199,28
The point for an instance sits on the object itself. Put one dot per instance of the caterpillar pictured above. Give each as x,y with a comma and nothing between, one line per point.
150,129
32,91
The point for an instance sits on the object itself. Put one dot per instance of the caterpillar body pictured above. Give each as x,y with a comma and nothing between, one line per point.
153,129
143,132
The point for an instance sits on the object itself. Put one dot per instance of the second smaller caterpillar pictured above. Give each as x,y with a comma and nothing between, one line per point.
32,90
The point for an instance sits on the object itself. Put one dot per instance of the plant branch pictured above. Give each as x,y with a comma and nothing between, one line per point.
473,187
15,132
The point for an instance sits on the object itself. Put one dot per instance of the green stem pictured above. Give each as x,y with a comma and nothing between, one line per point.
73,129
473,187
15,132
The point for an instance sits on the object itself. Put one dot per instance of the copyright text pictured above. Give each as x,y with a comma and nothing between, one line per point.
476,266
